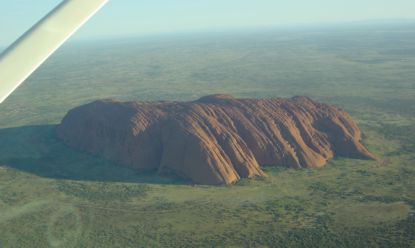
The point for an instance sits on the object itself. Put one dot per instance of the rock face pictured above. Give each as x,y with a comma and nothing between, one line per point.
217,139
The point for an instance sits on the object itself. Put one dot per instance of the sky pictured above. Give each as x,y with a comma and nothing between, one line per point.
144,17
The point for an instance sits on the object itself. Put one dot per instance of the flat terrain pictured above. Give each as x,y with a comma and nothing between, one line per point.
52,196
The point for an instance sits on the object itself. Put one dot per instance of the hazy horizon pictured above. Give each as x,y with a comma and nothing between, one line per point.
137,18
375,23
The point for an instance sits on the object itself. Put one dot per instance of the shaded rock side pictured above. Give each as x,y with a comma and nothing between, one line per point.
215,140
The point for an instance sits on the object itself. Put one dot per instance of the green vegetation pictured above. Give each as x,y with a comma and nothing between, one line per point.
53,196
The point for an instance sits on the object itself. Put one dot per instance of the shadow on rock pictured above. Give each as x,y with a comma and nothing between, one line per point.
36,150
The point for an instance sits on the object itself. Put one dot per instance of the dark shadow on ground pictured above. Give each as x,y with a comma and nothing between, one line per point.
36,150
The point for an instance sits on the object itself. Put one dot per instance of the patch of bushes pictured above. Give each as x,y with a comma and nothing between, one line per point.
103,191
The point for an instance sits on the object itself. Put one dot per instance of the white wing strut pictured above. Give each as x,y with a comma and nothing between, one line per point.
25,55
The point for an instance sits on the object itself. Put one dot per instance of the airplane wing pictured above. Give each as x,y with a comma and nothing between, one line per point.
25,55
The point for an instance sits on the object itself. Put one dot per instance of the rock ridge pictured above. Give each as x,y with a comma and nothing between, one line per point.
217,139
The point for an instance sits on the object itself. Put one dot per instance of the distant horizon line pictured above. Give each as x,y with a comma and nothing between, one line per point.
285,27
